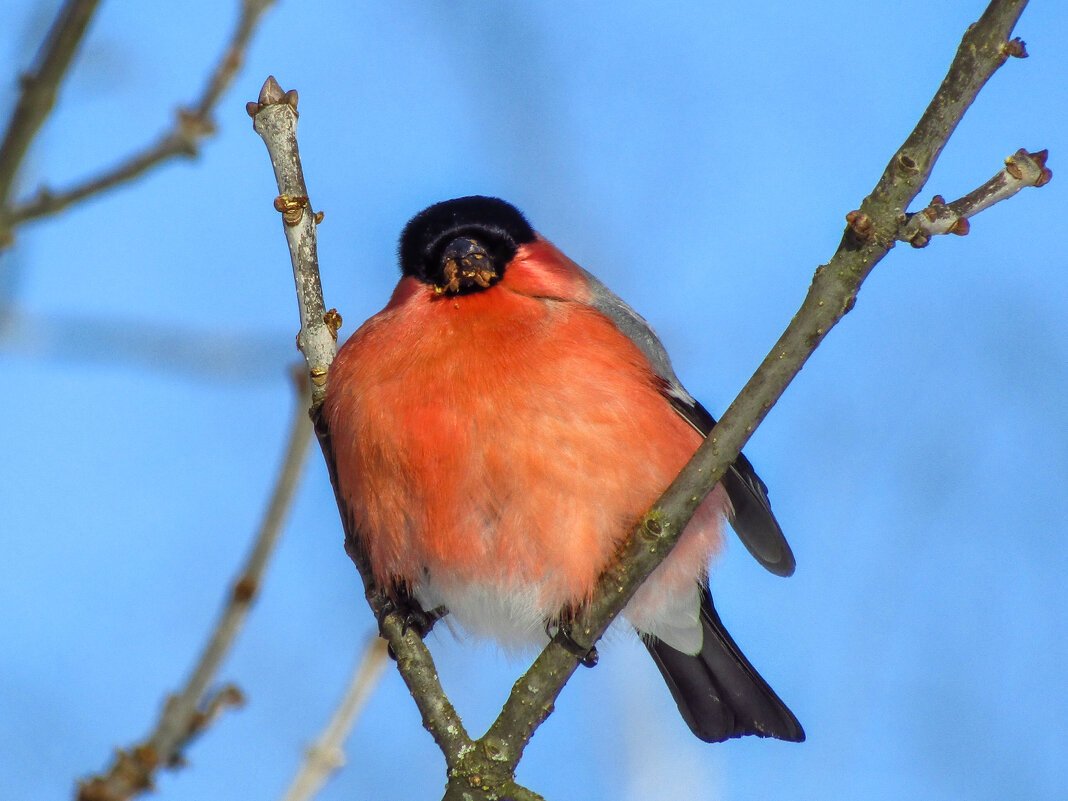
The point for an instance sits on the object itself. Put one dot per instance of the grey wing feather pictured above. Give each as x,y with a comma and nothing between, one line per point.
753,519
640,333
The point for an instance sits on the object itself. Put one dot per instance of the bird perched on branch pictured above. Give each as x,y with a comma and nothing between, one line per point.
498,429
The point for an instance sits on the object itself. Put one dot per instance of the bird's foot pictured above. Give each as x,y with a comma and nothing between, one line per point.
587,657
413,616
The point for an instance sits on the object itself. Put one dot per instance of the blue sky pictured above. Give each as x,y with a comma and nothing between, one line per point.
918,464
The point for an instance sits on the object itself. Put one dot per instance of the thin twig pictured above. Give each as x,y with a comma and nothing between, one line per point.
182,138
274,118
326,756
193,708
1022,169
40,86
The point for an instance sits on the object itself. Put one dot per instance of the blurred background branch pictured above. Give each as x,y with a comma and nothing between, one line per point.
39,89
326,756
189,711
182,138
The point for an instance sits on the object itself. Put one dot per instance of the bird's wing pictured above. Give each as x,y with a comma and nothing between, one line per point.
753,519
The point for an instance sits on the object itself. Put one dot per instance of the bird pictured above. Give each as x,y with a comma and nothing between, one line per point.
499,427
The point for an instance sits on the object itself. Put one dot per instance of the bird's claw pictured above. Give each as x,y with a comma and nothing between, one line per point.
413,617
587,657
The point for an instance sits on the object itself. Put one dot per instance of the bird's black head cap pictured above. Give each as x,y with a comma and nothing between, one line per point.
463,245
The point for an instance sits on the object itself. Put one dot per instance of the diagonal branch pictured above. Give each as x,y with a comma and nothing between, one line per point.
830,297
40,87
182,138
187,713
484,769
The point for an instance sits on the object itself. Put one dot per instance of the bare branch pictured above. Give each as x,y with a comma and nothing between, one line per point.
832,294
984,48
190,126
40,86
192,709
274,117
1021,169
417,668
325,756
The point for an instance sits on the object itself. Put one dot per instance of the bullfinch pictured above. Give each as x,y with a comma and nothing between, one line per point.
498,429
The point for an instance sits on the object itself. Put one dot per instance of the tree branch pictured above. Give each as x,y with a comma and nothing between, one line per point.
192,709
326,756
274,118
40,86
830,297
183,138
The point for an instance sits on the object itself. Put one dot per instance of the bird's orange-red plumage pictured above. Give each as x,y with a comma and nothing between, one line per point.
508,440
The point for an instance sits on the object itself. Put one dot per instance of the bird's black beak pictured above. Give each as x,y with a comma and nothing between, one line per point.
466,266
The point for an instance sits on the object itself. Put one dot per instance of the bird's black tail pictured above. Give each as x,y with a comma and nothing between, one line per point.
720,695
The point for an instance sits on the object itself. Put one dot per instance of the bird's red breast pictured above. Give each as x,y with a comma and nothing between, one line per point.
496,447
